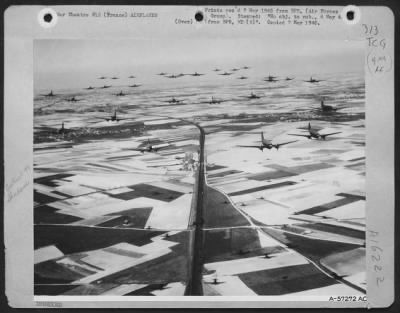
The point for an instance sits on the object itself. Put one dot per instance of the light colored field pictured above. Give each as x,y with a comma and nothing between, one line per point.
73,189
229,286
268,213
160,122
358,153
188,180
358,279
346,263
171,215
173,186
113,263
352,210
46,253
120,205
304,198
106,260
92,221
344,179
253,264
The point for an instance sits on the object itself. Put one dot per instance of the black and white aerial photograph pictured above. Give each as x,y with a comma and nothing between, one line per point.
199,167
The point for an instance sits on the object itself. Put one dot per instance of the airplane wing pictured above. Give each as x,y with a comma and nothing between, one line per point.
258,147
325,135
160,146
284,143
137,149
300,135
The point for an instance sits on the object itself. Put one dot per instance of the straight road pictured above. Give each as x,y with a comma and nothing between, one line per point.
195,286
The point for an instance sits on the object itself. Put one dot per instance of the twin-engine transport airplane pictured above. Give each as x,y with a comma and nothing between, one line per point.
173,100
50,94
113,117
150,148
267,144
312,80
314,133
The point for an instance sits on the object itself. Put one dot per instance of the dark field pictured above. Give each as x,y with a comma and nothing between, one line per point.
286,280
219,211
271,175
235,243
42,198
310,248
327,206
73,239
148,191
255,189
136,218
52,289
48,215
222,174
213,167
49,180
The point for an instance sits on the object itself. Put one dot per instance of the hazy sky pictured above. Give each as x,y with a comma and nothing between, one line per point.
78,63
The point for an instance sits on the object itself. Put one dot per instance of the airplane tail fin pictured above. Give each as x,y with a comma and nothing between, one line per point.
309,125
262,136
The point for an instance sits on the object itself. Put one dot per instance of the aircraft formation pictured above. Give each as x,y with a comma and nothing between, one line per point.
312,132
218,71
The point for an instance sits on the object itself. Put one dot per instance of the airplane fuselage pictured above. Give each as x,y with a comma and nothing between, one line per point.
313,133
327,108
267,144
